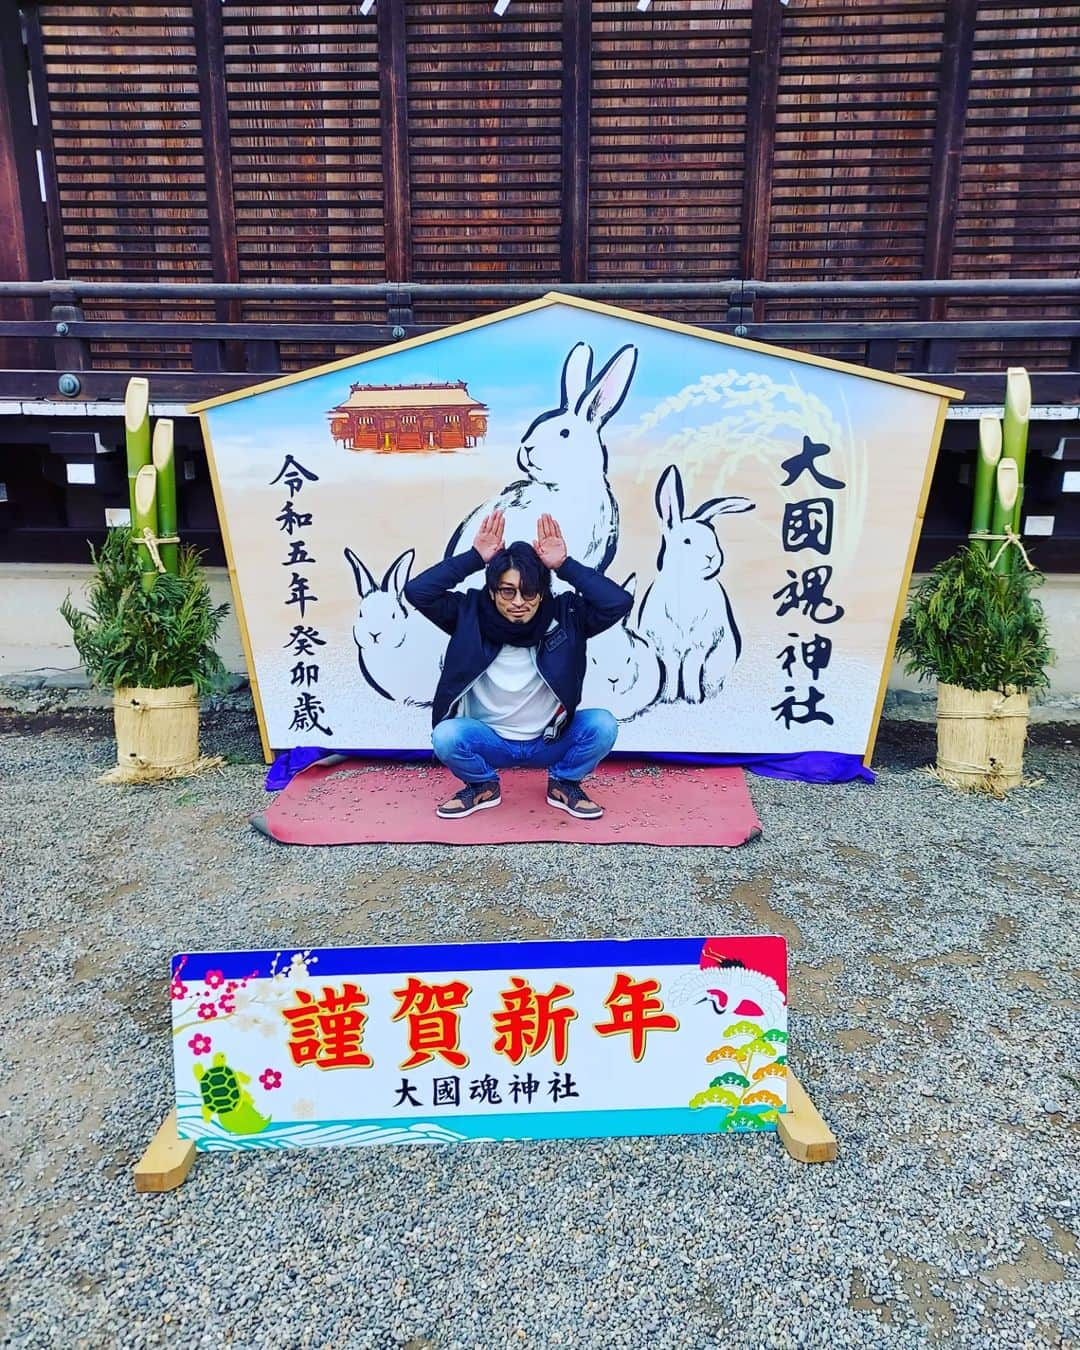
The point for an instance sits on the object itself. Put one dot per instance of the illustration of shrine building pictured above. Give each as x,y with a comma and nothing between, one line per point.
409,417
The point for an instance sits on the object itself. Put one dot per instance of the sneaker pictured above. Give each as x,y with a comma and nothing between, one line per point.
570,797
472,797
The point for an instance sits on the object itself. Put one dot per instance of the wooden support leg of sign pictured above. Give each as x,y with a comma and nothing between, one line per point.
802,1131
167,1161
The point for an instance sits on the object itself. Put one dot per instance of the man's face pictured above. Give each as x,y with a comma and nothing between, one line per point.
509,601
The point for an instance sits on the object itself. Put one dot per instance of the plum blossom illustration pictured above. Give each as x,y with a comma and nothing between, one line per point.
199,1044
255,1006
270,1079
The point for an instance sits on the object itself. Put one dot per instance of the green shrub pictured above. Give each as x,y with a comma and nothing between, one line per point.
154,638
969,626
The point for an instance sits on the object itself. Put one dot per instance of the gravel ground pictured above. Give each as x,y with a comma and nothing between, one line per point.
933,944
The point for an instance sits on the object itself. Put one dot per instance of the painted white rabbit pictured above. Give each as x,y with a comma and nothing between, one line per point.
564,460
622,672
400,653
686,613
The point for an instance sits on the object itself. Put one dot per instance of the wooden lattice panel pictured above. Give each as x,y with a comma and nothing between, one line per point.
485,105
303,102
669,92
138,170
1019,210
856,112
122,92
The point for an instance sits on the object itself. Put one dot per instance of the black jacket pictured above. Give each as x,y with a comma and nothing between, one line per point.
595,604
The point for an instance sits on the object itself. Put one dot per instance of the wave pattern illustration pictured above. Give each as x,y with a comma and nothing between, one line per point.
210,1136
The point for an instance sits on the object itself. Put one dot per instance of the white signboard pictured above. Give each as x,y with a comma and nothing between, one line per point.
450,1043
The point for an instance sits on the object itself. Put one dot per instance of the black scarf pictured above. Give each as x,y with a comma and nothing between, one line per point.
494,628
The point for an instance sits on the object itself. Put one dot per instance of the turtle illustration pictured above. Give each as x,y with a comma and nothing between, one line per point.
224,1096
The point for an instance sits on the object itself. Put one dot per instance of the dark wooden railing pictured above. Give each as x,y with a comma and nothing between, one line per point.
89,337
68,356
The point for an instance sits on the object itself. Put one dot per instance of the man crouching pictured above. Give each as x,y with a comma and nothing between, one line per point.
511,679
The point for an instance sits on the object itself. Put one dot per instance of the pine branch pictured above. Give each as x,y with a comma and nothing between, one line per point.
969,626
154,639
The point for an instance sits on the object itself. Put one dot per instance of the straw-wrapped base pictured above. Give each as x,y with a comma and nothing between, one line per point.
980,737
157,735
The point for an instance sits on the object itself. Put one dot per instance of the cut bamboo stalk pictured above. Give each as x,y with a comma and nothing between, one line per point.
137,431
982,509
1015,434
145,518
1008,490
165,468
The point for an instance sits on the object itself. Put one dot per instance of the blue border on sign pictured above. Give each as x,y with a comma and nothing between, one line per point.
447,956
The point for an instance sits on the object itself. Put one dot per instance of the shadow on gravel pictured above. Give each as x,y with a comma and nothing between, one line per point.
227,732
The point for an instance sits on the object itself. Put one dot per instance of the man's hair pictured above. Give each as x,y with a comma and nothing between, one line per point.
522,558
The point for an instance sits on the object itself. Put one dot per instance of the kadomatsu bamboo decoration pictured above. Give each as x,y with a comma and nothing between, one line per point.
154,645
982,634
999,445
164,467
145,518
1001,522
1014,436
985,480
157,639
137,431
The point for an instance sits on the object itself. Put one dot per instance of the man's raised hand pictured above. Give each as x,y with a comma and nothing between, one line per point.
489,537
549,543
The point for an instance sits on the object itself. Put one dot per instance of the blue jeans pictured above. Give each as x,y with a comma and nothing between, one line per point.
475,753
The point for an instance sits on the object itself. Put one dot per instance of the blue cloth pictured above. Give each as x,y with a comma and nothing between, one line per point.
475,753
595,604
811,766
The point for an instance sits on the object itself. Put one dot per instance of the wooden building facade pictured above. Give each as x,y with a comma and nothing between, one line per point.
211,192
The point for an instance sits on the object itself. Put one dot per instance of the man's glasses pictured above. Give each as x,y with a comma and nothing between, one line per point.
508,593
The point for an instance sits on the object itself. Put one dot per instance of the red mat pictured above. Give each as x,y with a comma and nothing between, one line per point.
361,803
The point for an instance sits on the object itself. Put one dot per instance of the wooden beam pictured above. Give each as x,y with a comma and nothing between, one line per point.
167,1160
251,331
765,34
346,330
39,81
210,61
23,254
394,105
801,1129
187,386
871,332
954,81
1040,289
576,137
69,351
881,353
